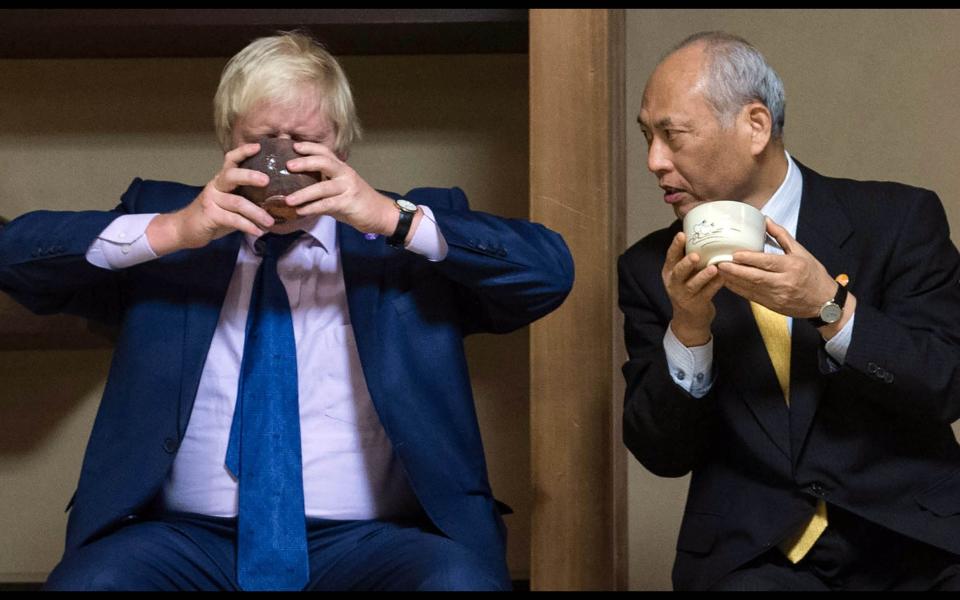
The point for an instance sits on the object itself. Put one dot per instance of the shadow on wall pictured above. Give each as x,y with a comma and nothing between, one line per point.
41,392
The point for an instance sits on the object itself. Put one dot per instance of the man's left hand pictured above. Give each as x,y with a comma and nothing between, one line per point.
795,284
344,195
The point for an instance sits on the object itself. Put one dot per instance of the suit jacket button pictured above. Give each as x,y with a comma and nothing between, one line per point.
888,377
170,445
871,368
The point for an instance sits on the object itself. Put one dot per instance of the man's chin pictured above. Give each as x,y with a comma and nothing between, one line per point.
288,225
682,208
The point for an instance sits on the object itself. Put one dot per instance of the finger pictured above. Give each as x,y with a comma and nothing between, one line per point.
712,287
250,212
759,260
675,252
783,237
314,192
223,215
330,166
231,178
686,269
314,148
745,274
240,223
739,289
239,154
324,206
704,278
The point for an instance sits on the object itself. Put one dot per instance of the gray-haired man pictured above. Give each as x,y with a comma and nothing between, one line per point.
810,388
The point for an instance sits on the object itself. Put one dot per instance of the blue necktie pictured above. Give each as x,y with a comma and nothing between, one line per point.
264,448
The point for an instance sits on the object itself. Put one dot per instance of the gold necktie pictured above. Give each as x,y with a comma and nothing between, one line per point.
773,330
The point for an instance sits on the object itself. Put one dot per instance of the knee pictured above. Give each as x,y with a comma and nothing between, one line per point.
81,576
461,574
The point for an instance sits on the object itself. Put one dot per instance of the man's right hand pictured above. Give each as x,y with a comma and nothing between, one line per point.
691,293
216,212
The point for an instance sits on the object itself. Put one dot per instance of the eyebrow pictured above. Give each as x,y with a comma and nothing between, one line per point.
662,123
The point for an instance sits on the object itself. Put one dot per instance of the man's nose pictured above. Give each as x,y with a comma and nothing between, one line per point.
659,158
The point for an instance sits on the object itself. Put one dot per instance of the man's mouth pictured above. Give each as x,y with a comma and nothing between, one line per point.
672,195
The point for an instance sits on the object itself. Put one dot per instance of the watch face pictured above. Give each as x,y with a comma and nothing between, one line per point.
831,313
406,205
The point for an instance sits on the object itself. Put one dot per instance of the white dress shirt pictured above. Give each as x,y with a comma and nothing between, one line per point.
350,470
692,368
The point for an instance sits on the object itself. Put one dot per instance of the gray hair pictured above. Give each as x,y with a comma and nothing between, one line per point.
737,74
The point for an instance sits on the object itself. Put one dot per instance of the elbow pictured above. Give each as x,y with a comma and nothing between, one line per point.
661,465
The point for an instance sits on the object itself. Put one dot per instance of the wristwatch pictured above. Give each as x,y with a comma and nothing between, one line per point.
832,309
407,210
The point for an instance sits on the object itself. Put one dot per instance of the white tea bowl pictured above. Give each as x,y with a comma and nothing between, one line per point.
717,229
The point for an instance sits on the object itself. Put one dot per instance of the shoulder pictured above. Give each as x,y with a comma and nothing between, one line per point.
647,255
147,196
885,199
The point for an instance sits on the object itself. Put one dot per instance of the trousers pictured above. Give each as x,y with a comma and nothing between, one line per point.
853,554
177,551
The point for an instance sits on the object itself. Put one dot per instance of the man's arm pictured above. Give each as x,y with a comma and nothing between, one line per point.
667,429
43,264
510,271
46,262
905,344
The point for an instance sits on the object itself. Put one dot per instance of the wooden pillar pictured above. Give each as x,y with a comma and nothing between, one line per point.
578,462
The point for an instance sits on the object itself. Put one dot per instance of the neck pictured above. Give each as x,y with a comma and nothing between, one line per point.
771,171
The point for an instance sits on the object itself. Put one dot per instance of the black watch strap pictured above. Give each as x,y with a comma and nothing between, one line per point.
839,299
403,225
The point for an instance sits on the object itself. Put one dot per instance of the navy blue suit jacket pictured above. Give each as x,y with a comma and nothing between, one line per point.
873,438
409,317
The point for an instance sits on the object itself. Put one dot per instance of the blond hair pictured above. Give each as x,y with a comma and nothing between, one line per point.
275,69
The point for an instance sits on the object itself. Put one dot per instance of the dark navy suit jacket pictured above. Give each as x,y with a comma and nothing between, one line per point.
409,317
873,438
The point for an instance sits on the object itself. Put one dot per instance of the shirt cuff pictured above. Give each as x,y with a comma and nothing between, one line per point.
690,368
838,345
123,243
427,239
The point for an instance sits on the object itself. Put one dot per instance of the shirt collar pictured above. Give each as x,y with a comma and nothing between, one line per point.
784,205
322,228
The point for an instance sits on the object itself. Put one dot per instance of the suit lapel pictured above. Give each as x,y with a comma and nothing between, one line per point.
362,262
739,350
823,228
208,279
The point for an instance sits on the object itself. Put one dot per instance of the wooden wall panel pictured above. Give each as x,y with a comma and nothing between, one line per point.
576,188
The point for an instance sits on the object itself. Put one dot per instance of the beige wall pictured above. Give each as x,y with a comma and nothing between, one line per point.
870,95
75,132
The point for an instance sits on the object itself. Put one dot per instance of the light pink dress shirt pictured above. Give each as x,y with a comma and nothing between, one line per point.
350,470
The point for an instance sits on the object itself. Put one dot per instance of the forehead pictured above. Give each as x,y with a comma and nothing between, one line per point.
674,92
303,112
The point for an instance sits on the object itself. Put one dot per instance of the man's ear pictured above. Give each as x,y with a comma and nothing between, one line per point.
757,119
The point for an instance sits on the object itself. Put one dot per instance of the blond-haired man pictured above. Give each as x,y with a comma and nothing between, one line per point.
286,411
